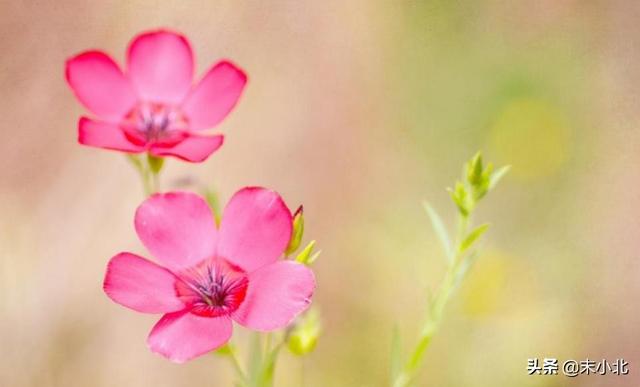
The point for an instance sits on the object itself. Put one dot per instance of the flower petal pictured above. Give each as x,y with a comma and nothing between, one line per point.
255,228
105,135
194,148
100,85
214,96
277,293
141,285
178,229
183,336
160,65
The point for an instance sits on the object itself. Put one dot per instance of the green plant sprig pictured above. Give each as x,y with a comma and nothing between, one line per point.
477,181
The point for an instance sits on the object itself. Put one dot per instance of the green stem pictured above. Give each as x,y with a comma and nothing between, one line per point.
436,310
147,184
150,178
237,366
267,344
154,182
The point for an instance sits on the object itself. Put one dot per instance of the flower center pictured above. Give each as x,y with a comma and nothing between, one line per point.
155,123
213,288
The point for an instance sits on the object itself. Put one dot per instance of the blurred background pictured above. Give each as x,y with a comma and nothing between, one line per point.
360,110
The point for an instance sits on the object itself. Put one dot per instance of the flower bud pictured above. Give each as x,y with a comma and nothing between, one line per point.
297,232
304,336
474,170
460,197
478,176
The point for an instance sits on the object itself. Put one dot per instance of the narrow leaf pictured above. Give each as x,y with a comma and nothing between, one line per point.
498,175
305,256
313,257
473,236
439,228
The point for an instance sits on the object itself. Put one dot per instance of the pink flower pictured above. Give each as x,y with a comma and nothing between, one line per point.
153,107
210,276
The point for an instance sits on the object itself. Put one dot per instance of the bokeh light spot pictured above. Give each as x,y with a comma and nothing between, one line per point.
532,136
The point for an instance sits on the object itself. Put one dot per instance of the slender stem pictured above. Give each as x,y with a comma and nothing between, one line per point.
154,182
147,183
139,165
150,178
233,356
463,226
267,344
436,310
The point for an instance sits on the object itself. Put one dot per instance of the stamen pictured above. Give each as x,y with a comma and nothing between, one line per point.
155,123
213,288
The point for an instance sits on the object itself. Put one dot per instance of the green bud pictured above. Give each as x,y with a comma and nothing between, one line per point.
306,257
477,181
474,170
298,231
304,336
461,198
479,177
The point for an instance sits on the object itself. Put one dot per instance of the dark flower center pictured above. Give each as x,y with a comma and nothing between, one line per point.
155,123
213,288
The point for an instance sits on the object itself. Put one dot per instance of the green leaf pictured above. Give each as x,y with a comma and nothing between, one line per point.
488,170
305,256
313,257
473,236
497,176
440,230
155,163
474,170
